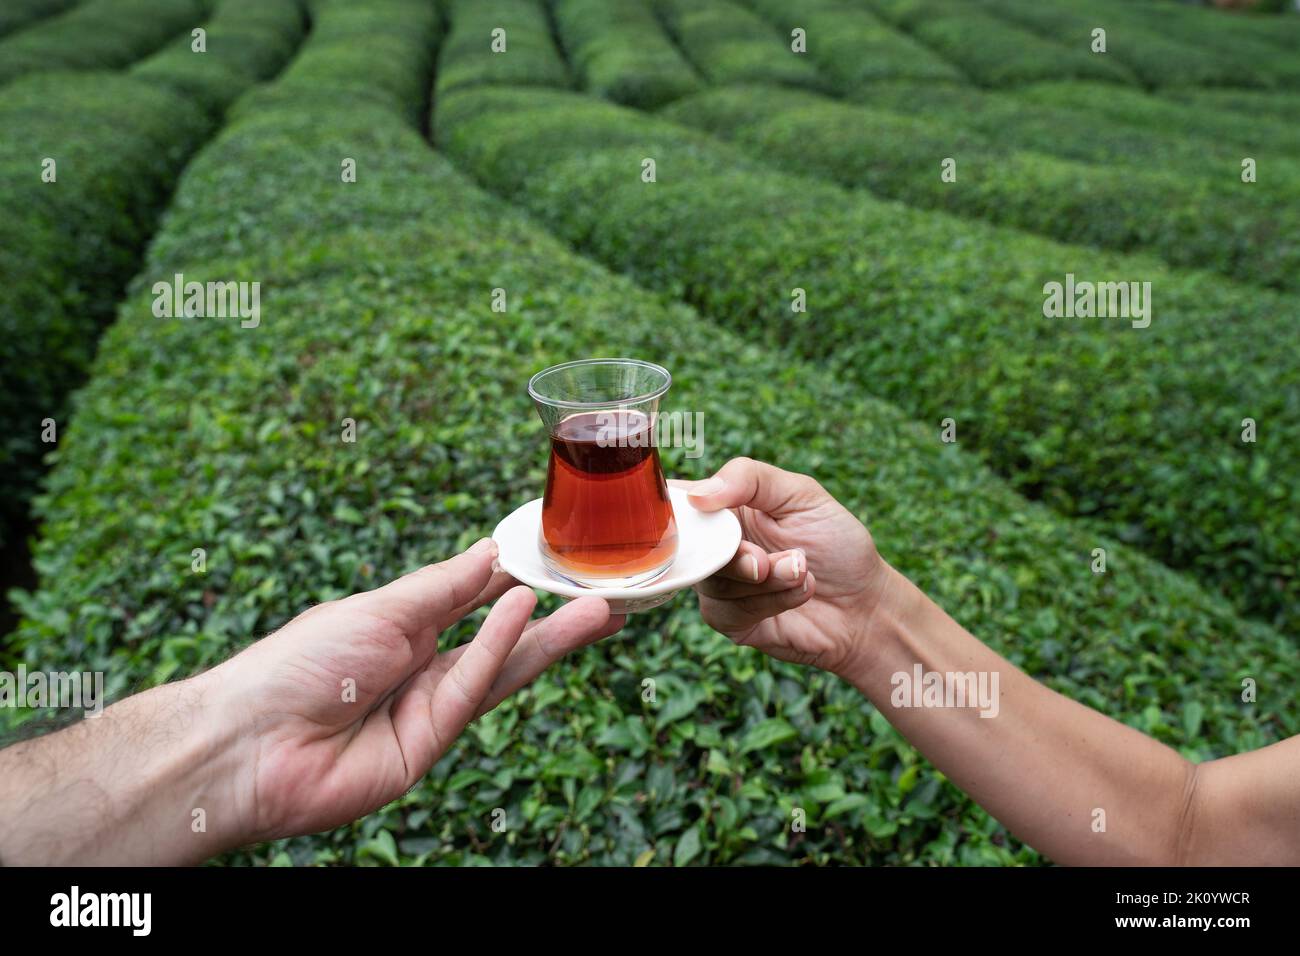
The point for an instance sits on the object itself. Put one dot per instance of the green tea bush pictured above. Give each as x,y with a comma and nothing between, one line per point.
992,51
377,306
360,55
1257,105
68,246
852,46
1155,57
247,42
1249,232
1199,124
622,53
1028,119
1261,46
20,14
530,56
1139,429
99,34
729,44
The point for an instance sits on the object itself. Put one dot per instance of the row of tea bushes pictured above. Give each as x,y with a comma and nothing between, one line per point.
861,57
852,46
247,41
620,52
993,51
21,14
1247,231
361,55
98,34
283,146
1255,105
1028,118
1269,41
378,307
499,41
729,43
67,246
1276,137
1140,428
1150,52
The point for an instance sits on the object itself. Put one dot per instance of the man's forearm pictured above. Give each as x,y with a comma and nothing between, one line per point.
152,780
1074,784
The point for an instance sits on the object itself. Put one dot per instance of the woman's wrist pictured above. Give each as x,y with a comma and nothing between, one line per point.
877,624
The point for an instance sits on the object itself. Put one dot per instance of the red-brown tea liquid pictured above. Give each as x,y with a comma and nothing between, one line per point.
606,513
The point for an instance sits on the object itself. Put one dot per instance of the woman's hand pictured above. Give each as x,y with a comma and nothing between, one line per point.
805,582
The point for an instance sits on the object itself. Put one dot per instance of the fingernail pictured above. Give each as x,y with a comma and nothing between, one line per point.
496,566
483,546
800,562
750,564
787,569
709,486
805,584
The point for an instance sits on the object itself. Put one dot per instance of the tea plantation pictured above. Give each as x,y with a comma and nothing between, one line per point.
660,179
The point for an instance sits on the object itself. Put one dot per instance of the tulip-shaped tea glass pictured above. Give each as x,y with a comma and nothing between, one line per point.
606,517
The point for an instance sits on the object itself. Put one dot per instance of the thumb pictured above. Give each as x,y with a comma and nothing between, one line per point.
423,598
743,482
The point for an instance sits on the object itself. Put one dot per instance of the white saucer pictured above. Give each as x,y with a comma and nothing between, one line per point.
705,543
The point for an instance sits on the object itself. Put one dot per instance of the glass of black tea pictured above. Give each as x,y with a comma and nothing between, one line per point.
606,517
